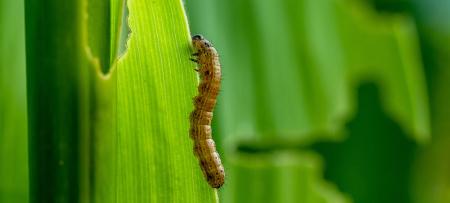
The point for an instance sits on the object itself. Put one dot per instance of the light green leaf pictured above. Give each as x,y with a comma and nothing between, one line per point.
155,84
13,109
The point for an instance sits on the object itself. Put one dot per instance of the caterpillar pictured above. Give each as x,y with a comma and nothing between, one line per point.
210,75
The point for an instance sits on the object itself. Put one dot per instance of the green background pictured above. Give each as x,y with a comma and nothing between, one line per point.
322,100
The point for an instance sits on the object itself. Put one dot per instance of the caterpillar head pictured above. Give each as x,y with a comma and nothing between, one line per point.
200,42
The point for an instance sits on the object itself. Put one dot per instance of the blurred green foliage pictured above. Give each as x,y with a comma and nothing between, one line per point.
322,101
13,111
432,166
341,78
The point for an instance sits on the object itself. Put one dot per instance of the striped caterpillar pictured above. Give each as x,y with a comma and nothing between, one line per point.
200,131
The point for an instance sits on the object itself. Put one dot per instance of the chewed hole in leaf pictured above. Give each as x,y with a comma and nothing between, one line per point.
125,32
107,32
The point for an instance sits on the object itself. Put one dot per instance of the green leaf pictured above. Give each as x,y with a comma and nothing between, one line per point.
155,84
279,176
111,134
13,109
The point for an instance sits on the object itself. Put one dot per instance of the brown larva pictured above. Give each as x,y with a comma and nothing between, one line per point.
208,89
